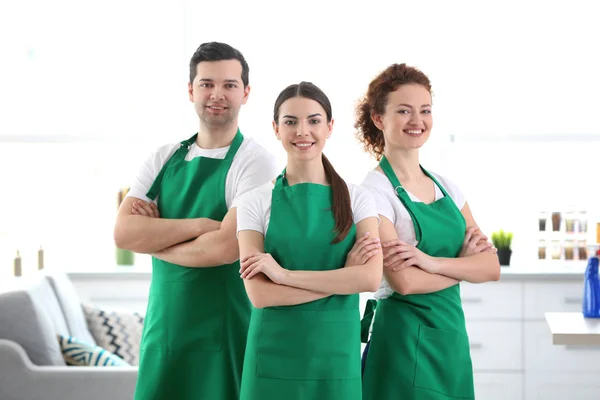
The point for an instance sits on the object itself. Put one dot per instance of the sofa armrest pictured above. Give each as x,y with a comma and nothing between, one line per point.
21,379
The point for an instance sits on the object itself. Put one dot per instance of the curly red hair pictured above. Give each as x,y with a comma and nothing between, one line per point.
375,100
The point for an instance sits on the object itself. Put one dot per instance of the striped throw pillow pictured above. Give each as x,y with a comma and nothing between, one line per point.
82,354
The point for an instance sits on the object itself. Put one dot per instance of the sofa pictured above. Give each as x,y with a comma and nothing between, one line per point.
34,310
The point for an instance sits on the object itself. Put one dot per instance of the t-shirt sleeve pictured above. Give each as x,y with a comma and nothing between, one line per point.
250,211
261,168
149,171
384,207
363,204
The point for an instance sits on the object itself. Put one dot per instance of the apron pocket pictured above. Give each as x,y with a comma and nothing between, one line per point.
309,345
444,363
186,318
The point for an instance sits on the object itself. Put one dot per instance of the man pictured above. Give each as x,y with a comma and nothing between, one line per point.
181,209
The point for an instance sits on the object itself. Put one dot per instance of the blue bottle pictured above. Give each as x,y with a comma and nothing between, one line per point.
591,290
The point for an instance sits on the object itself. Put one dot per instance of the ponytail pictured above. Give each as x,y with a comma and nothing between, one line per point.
342,206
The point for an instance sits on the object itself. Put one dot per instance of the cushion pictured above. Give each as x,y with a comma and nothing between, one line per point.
119,332
26,312
82,354
70,305
43,295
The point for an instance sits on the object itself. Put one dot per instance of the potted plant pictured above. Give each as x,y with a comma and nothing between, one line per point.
502,241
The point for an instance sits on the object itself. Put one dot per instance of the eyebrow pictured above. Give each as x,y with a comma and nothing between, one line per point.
310,116
409,106
212,80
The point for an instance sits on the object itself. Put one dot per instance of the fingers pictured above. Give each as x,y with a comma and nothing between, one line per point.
363,238
477,238
249,261
368,247
468,234
141,210
368,256
363,241
145,209
395,242
388,252
251,270
408,263
398,257
155,210
251,255
482,246
492,250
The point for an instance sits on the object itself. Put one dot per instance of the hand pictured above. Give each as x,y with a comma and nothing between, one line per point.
398,255
475,242
363,249
140,207
262,262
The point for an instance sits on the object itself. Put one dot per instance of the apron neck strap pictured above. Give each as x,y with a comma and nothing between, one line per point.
235,145
280,181
182,151
386,167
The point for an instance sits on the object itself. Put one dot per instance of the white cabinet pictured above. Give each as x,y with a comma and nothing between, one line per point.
511,346
563,386
498,386
541,356
496,345
493,300
560,296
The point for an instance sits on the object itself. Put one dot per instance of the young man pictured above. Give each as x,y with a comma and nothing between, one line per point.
181,209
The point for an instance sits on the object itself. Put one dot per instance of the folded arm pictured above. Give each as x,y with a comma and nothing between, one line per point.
262,292
212,249
476,268
411,280
348,280
145,234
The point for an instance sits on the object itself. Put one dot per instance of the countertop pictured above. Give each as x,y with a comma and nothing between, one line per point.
573,329
534,271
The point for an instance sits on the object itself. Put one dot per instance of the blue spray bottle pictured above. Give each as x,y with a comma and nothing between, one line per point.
591,290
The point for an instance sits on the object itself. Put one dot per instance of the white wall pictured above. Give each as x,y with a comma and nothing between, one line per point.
112,76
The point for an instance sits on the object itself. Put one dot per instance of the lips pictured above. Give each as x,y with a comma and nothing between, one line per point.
414,132
217,108
303,145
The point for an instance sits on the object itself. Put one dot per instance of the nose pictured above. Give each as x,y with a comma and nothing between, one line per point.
216,93
302,128
415,118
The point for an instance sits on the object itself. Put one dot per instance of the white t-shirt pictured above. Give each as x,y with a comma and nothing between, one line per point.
390,206
252,166
254,208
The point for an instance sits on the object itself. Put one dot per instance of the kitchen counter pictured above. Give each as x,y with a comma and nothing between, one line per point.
573,329
536,271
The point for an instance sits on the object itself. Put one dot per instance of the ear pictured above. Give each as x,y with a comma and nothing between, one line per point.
246,94
377,120
330,127
276,130
191,92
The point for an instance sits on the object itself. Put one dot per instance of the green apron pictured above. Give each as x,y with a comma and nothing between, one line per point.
197,319
419,347
312,350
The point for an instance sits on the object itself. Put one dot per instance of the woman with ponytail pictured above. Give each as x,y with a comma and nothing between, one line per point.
309,244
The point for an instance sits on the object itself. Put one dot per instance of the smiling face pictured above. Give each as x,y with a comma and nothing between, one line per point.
303,128
406,122
218,92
